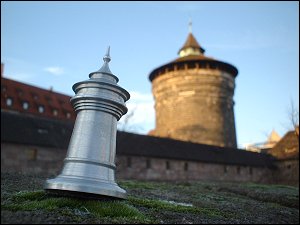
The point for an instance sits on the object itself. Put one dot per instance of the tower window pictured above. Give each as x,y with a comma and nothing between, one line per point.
180,67
191,65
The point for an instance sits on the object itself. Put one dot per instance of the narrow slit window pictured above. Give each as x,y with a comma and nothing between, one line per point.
129,163
167,165
148,163
186,166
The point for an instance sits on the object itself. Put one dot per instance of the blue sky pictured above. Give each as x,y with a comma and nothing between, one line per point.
59,43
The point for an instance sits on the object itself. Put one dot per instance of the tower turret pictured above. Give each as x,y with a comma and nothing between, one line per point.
194,97
191,45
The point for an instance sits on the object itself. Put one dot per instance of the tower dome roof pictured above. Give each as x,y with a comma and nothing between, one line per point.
193,54
191,43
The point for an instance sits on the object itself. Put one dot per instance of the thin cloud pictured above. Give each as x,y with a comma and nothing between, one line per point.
137,97
55,70
140,117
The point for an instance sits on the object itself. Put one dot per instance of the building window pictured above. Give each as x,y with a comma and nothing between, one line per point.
225,169
167,165
25,105
34,96
55,112
41,109
238,169
186,166
128,162
148,163
3,88
19,91
289,166
9,101
68,115
48,99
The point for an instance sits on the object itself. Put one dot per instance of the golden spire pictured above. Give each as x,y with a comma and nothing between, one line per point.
191,46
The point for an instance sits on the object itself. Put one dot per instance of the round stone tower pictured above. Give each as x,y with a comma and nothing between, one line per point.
194,98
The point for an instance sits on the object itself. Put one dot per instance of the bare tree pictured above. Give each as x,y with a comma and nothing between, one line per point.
293,116
127,117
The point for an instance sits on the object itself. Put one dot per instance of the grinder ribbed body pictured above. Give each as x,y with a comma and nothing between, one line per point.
89,166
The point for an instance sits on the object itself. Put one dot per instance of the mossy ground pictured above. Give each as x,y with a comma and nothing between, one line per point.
154,202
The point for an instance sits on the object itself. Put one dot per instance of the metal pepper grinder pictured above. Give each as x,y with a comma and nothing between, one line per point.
89,167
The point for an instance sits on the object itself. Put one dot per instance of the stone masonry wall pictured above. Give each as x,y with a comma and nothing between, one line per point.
287,172
195,105
31,159
49,161
142,168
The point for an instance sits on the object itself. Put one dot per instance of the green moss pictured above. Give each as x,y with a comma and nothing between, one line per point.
271,187
147,185
158,205
118,210
211,201
25,195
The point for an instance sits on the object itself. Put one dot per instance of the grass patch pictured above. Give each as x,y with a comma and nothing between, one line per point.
159,205
210,202
271,187
114,210
146,185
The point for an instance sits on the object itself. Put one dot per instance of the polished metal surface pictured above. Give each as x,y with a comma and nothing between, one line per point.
89,166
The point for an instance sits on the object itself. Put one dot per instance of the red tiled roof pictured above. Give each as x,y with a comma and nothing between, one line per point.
41,102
